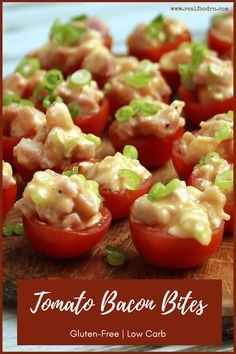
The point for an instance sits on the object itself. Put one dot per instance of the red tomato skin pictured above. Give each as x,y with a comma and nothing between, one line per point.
153,151
217,44
95,123
8,198
197,112
57,243
108,41
154,54
117,202
229,205
182,168
163,250
172,77
8,144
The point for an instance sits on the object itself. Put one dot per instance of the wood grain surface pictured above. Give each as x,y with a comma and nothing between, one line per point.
20,261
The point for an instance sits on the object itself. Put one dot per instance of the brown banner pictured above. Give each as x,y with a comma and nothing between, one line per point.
137,312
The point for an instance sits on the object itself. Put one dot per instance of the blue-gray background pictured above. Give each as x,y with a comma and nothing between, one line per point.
26,27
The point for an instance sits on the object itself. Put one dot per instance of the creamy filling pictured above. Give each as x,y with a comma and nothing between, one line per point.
56,143
223,27
77,203
186,212
7,176
107,171
171,60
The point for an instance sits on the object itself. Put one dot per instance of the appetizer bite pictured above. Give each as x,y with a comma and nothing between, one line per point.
143,81
161,35
221,33
20,120
63,216
121,179
56,145
24,79
9,188
206,85
70,43
176,226
213,170
150,126
214,135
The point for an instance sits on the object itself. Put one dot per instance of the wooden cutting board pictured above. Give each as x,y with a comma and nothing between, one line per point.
20,261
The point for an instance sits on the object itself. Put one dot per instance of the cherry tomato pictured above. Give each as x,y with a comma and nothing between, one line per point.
58,243
164,250
8,198
197,112
95,123
172,77
118,202
154,54
8,144
229,205
153,151
182,168
217,44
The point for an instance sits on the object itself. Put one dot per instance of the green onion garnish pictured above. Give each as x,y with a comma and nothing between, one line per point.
95,139
82,17
74,110
49,99
130,152
40,92
107,87
140,106
124,113
155,29
215,70
145,66
25,102
131,179
225,180
138,79
230,114
224,132
69,173
7,100
17,229
28,66
211,157
115,256
80,78
158,190
66,34
53,78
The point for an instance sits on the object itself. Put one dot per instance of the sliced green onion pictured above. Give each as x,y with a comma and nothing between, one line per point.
80,78
145,66
211,157
224,132
158,190
137,104
225,180
40,92
130,152
150,109
7,100
155,29
230,114
39,196
95,139
79,18
138,79
17,229
115,256
69,173
215,70
140,106
28,66
66,34
124,113
131,179
107,87
25,102
74,110
49,99
53,78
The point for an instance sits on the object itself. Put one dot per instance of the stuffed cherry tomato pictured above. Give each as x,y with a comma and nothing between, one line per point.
20,119
72,226
220,35
172,227
9,188
214,135
59,143
121,179
206,85
150,126
142,81
213,170
151,41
